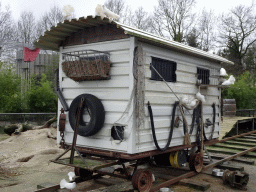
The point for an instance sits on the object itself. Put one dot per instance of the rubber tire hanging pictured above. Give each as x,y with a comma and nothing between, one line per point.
95,109
153,127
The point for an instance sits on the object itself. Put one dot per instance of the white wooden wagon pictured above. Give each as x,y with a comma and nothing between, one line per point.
115,67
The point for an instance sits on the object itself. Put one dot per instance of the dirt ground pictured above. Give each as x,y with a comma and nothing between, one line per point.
34,145
25,176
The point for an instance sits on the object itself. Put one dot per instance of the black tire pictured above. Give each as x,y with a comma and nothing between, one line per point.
93,109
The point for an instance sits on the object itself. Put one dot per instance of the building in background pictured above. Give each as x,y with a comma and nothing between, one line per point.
45,63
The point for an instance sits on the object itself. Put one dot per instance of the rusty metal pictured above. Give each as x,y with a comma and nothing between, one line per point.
229,158
76,130
67,150
62,120
177,122
111,174
196,162
172,181
202,132
230,138
236,179
142,180
120,155
54,188
187,140
83,173
192,173
49,189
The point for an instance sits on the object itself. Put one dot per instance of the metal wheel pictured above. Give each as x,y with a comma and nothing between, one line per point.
83,173
196,162
142,180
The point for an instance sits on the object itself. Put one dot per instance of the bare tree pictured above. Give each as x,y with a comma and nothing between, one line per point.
5,23
141,19
238,32
192,38
173,18
27,28
49,19
5,27
117,6
127,16
8,35
206,26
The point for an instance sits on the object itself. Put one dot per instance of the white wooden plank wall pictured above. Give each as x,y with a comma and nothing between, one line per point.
162,99
113,93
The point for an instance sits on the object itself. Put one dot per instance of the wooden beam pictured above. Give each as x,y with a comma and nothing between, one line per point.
198,185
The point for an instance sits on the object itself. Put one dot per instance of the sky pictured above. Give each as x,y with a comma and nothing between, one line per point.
87,7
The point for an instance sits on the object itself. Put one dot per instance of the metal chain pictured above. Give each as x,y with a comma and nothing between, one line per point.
62,141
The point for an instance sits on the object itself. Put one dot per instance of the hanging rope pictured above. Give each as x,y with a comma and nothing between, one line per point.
163,80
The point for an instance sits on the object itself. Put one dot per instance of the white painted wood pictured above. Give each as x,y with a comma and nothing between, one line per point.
119,83
131,128
162,98
111,46
108,94
104,144
116,92
163,110
176,56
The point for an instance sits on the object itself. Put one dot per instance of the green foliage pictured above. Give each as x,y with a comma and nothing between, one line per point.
244,91
41,98
50,68
2,129
10,95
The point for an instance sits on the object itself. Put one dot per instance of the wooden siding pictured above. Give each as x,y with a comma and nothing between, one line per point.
114,93
162,99
95,34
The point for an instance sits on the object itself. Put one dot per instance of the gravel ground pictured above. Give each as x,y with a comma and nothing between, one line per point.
25,176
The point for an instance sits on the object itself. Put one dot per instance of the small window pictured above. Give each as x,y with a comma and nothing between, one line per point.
165,68
203,75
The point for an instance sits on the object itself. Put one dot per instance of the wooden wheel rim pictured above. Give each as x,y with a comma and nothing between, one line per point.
142,180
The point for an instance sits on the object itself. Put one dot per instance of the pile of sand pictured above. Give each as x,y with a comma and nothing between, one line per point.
25,161
28,149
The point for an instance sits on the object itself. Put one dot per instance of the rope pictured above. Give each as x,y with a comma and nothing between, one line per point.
153,127
164,80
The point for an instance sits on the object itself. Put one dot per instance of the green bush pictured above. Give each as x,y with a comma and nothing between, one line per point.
243,91
41,98
10,90
2,129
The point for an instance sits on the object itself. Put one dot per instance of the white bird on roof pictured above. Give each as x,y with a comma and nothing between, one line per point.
230,81
223,72
103,11
71,176
200,97
67,185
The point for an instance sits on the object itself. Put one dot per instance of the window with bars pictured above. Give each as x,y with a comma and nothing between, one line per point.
203,75
165,68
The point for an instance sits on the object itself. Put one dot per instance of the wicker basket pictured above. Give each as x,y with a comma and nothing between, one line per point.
84,70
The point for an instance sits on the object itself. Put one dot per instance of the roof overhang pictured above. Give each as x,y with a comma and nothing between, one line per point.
53,38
